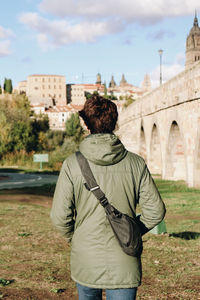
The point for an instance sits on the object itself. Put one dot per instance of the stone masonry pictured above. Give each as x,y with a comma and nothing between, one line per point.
164,127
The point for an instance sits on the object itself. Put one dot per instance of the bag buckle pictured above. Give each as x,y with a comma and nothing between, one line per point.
104,201
94,188
91,189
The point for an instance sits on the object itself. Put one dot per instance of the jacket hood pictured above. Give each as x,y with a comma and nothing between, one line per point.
103,149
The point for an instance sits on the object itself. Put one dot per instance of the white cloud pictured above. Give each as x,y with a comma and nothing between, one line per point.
5,48
61,32
143,12
87,20
168,71
5,33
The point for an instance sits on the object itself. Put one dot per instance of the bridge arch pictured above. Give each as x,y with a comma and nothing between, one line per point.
175,154
155,158
143,148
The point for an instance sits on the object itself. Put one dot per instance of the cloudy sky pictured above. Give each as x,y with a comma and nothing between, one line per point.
79,38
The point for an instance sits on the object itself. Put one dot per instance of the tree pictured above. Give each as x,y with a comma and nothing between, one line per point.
5,130
0,90
112,97
22,137
129,100
105,90
25,129
8,86
88,95
73,127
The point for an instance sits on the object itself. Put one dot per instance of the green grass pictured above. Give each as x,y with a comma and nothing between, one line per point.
34,258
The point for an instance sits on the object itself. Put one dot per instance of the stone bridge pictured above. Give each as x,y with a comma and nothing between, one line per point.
164,127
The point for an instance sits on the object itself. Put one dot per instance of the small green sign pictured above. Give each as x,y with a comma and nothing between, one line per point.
40,158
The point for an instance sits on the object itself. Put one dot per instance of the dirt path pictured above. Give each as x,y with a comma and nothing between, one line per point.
4,177
44,201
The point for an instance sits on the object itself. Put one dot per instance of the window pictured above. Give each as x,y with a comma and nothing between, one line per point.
43,86
60,96
63,115
59,79
54,86
43,80
49,79
43,95
60,87
36,88
49,87
54,80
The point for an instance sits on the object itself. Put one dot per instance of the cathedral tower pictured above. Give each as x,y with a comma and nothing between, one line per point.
98,81
193,44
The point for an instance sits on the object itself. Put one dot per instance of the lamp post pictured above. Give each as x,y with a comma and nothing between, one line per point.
160,53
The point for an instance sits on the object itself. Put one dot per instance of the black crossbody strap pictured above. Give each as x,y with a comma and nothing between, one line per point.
91,183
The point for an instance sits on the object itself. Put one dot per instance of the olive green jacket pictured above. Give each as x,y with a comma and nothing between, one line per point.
96,257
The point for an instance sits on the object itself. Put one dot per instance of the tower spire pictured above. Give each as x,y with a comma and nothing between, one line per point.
196,19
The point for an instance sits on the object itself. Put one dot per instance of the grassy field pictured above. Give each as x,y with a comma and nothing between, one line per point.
34,259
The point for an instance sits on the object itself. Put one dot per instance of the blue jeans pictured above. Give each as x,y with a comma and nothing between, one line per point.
86,293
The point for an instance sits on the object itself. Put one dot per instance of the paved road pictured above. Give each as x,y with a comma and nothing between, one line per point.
14,180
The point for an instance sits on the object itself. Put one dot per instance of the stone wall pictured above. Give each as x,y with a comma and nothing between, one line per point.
164,127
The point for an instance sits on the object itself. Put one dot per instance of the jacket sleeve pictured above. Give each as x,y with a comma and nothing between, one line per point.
62,212
152,207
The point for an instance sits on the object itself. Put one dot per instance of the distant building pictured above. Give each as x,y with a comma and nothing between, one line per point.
193,44
49,94
22,87
112,83
47,89
39,108
57,114
98,81
146,85
123,82
76,93
125,89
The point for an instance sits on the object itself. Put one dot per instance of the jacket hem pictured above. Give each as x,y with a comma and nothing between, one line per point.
108,286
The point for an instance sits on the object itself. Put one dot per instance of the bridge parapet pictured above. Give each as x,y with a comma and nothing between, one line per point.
163,126
183,87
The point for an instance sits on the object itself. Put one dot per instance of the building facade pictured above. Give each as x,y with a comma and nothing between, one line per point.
58,115
45,89
22,87
77,93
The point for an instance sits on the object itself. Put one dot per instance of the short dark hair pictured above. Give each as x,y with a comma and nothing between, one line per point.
99,114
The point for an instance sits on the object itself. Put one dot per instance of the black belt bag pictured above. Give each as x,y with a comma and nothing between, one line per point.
125,228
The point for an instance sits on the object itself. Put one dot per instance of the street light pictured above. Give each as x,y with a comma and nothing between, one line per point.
160,53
